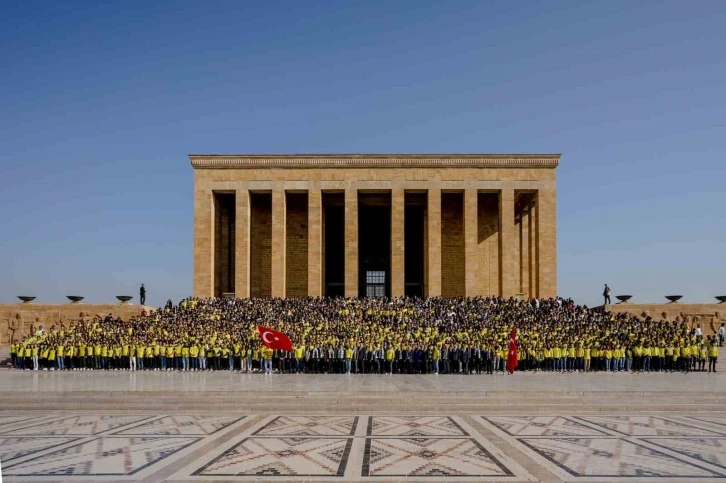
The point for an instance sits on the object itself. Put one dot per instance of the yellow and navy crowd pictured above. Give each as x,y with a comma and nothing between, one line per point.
372,335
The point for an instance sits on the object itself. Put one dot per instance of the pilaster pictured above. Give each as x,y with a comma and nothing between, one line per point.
433,282
398,277
315,239
278,243
203,243
547,242
242,244
471,234
351,242
507,240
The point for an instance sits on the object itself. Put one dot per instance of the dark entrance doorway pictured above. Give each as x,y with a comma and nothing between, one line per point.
374,244
414,235
334,244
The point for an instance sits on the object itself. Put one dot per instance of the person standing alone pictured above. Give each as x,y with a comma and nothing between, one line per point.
605,293
142,295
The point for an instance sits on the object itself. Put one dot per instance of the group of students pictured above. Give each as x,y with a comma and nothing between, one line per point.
373,336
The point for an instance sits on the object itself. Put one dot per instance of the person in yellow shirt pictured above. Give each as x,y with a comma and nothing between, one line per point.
436,357
203,357
608,358
60,358
185,358
702,356
14,355
157,356
587,358
638,358
686,358
266,360
178,365
35,356
348,357
194,357
712,356
557,356
299,358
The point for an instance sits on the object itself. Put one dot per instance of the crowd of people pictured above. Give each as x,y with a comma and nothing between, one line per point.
372,335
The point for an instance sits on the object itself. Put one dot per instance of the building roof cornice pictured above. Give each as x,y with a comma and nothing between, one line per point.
281,161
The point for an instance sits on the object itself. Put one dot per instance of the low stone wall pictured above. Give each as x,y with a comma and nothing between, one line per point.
709,316
17,320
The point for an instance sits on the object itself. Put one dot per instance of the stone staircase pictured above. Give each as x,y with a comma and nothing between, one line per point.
501,402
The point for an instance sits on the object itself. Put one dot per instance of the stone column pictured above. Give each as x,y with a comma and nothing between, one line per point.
507,240
534,266
278,242
433,282
242,244
547,242
315,243
398,275
525,258
471,242
203,243
351,242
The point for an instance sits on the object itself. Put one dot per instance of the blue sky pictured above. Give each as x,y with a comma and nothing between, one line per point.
100,105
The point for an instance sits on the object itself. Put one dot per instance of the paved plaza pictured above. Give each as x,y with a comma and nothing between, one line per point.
238,447
13,381
141,427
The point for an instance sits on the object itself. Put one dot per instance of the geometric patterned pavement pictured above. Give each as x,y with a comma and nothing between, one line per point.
231,447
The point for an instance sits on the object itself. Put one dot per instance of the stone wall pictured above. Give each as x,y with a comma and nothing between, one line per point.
296,245
708,316
452,245
261,245
17,320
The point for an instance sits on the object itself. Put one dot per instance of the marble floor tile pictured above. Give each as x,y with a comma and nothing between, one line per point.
542,426
646,426
7,420
427,457
289,456
717,420
76,425
182,425
400,426
14,447
104,456
613,457
309,426
708,450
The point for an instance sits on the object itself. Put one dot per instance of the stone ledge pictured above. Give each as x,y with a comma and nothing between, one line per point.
278,161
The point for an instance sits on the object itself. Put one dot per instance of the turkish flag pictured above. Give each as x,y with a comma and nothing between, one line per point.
512,355
273,339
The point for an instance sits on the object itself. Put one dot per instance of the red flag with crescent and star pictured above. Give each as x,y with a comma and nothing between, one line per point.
273,339
512,354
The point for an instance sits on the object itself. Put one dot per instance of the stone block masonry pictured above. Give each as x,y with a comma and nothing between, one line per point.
489,225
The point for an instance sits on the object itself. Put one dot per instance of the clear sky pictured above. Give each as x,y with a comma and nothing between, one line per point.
100,105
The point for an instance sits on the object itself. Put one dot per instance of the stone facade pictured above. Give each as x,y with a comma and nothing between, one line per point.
708,316
17,320
489,224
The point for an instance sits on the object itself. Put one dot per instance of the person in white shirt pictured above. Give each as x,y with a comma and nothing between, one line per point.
721,335
699,332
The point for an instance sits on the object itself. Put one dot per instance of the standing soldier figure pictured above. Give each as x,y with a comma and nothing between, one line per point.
142,295
606,294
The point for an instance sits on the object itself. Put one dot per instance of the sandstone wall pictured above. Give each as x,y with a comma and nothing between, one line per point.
17,320
709,316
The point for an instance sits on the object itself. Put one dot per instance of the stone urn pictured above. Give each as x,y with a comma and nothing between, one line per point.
26,298
623,298
674,298
721,299
124,299
74,298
